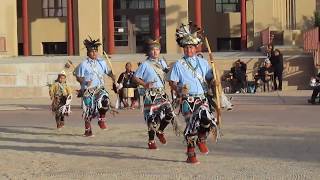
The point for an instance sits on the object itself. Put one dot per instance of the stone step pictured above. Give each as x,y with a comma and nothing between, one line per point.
290,50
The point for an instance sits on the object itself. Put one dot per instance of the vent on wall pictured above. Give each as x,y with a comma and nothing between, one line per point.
3,44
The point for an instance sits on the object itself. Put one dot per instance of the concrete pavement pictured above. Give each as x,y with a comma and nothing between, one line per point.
267,136
283,97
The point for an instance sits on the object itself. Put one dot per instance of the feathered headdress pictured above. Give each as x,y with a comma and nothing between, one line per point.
188,34
91,44
153,43
63,73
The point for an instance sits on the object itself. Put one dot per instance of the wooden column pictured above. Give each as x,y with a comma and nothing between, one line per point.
110,27
70,28
198,17
25,27
243,25
156,15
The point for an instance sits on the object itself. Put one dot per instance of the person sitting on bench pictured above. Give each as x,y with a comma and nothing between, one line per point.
239,76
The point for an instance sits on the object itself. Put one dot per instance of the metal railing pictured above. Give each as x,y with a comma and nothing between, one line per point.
311,44
265,37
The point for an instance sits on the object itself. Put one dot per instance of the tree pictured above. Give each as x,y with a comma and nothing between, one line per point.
317,19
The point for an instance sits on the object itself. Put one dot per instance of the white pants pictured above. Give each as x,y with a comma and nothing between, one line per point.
225,103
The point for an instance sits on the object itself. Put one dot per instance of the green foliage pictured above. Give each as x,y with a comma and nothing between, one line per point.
317,19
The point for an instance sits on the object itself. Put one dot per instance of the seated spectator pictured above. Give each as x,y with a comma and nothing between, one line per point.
316,89
239,76
264,74
129,90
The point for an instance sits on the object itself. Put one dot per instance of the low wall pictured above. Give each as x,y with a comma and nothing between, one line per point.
29,77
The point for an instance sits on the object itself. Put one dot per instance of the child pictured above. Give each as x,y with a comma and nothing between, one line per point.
60,94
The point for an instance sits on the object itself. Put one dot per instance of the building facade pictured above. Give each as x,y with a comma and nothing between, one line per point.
45,27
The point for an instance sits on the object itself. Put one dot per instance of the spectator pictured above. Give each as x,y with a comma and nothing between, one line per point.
277,65
264,74
238,76
316,89
269,50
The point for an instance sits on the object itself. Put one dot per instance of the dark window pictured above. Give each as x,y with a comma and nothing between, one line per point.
20,49
225,6
143,31
54,8
3,44
229,44
54,48
19,8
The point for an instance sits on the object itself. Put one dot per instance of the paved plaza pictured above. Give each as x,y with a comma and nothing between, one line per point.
266,136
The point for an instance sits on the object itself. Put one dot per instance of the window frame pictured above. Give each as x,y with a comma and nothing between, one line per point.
223,3
56,8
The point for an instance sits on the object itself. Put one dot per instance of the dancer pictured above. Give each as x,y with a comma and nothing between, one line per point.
60,94
95,98
158,112
190,78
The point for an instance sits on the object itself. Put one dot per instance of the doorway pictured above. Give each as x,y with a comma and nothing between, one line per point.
134,25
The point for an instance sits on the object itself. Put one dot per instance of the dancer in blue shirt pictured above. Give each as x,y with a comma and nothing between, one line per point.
158,112
95,98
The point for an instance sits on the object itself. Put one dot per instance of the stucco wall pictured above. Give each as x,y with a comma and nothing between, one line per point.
90,22
42,29
176,13
8,27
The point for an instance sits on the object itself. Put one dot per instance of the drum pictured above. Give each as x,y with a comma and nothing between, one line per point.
128,92
142,91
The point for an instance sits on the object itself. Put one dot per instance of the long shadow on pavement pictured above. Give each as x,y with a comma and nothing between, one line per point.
20,131
297,147
78,152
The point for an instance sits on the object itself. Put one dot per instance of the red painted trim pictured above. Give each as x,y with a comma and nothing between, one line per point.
243,25
110,27
70,28
197,13
198,17
156,17
25,27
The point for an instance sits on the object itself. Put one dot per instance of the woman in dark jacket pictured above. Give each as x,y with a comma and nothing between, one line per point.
277,65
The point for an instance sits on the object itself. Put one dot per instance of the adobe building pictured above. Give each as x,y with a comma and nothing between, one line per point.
58,27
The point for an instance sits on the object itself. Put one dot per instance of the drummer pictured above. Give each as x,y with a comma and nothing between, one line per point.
129,90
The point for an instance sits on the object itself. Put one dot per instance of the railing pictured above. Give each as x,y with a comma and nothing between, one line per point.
265,37
311,40
316,58
311,44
